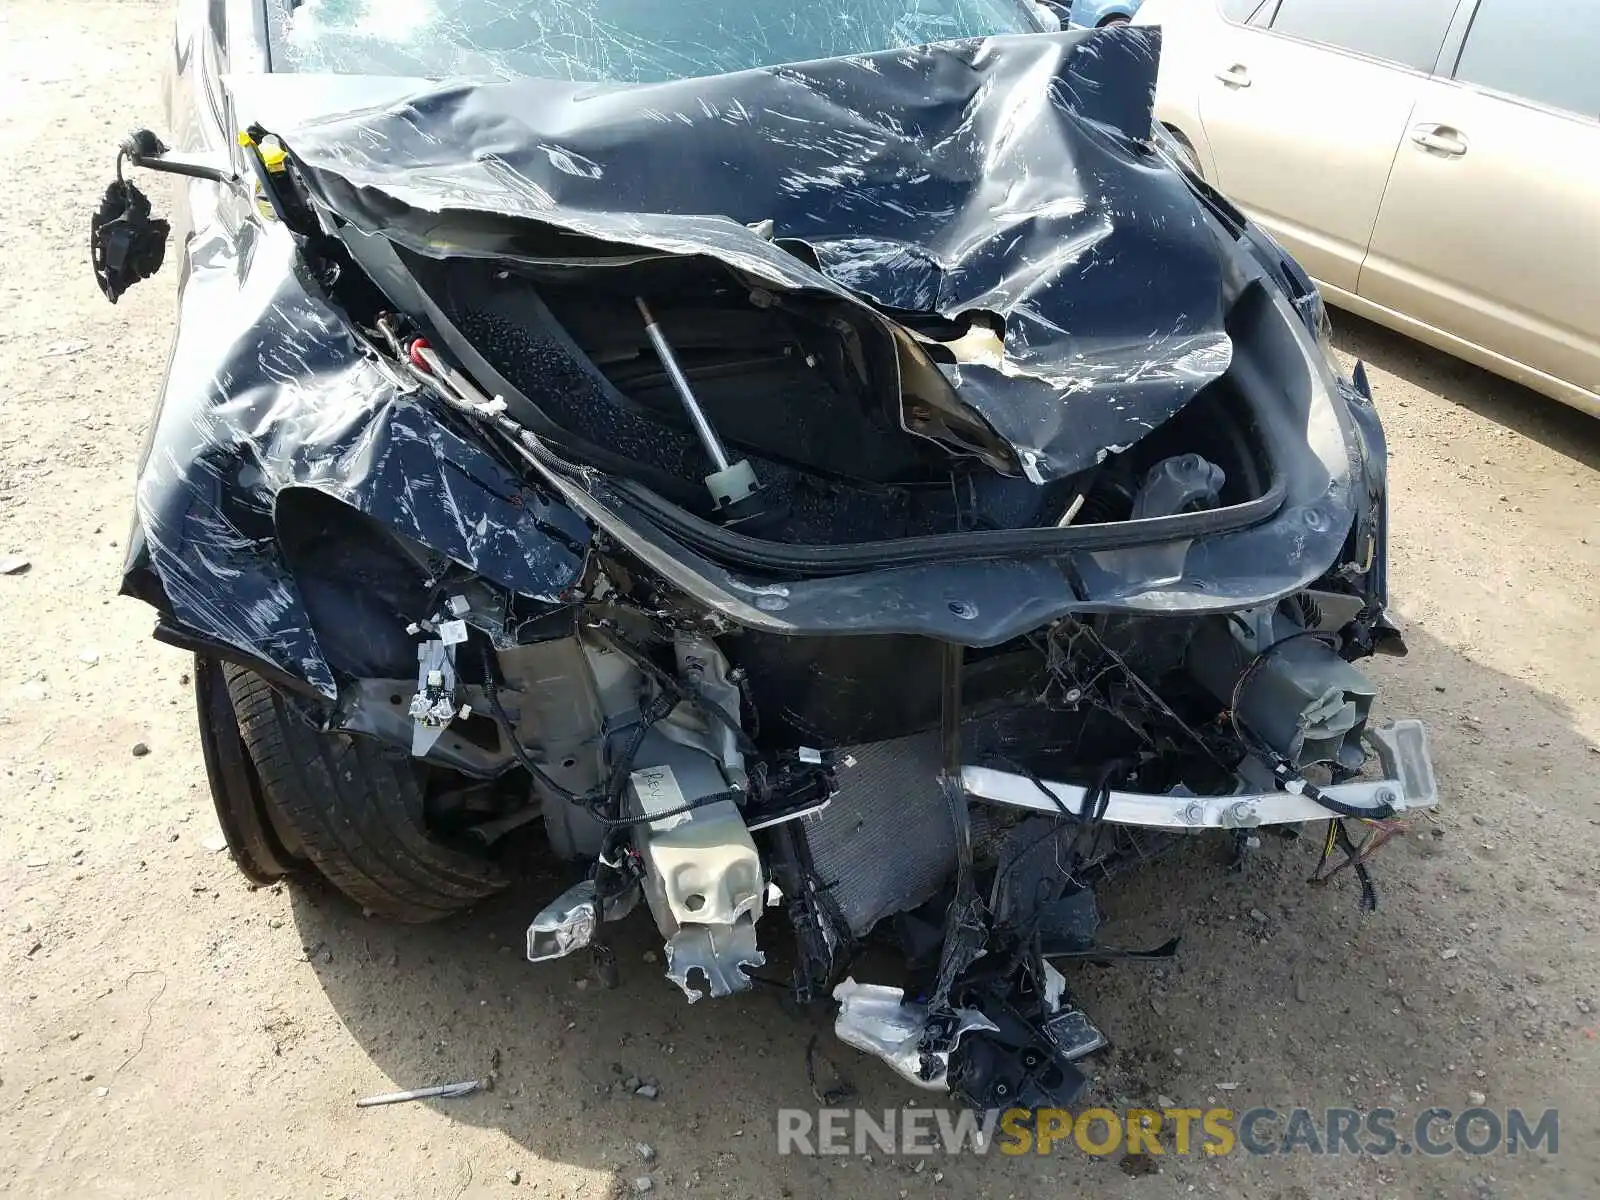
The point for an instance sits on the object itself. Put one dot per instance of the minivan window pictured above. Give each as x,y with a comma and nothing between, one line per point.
1242,12
1554,61
1407,32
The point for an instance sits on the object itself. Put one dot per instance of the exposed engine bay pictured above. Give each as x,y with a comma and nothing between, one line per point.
969,823
893,561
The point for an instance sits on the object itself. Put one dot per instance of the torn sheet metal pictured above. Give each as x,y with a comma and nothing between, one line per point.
718,954
875,1018
1008,176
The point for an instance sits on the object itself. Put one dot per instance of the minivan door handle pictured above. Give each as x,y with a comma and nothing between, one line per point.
1236,76
1441,139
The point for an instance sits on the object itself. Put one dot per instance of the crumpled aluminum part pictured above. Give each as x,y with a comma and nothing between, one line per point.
566,924
719,952
875,1018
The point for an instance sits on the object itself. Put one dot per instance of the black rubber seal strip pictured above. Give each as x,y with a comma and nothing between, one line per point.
737,549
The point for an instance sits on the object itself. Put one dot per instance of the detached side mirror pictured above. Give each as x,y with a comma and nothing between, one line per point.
126,243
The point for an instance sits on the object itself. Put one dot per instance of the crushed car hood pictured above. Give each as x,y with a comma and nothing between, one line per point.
1006,176
1109,274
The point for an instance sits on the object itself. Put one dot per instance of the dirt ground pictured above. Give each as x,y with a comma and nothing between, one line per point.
165,1029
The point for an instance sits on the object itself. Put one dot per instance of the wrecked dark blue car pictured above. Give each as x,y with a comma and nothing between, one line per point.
831,480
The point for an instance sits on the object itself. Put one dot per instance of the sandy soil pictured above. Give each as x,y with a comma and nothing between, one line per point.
166,1029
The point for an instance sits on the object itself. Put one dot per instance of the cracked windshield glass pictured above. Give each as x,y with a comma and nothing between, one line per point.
621,41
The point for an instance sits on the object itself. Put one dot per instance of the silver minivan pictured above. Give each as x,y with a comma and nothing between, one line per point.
1434,164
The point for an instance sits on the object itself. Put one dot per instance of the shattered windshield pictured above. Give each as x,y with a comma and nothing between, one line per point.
624,41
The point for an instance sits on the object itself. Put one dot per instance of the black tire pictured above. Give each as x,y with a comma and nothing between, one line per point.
355,810
1113,19
262,849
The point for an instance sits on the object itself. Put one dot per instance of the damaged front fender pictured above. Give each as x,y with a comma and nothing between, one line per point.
272,404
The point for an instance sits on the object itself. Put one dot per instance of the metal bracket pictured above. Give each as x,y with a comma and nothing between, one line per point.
719,952
1402,748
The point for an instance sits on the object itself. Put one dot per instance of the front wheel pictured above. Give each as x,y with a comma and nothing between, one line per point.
351,807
